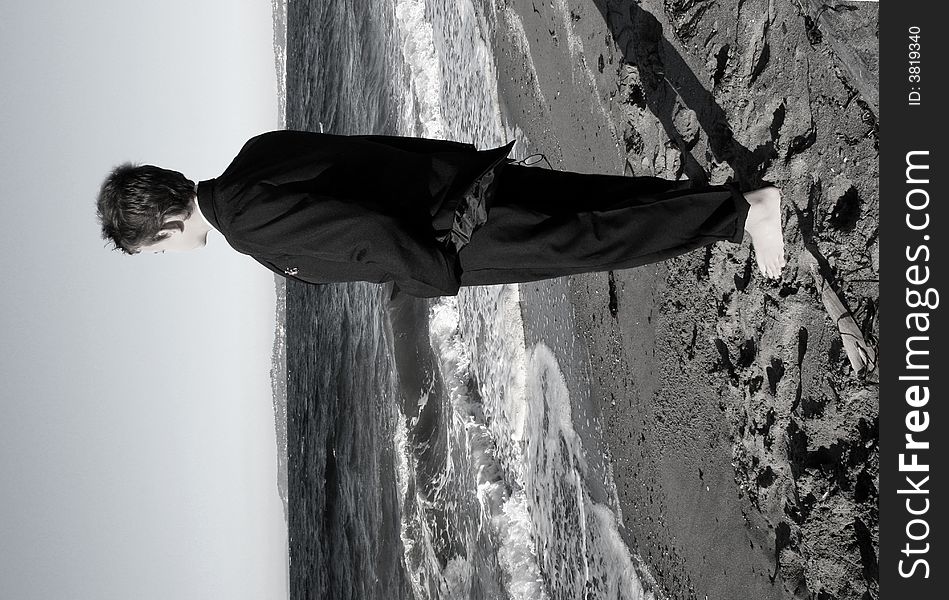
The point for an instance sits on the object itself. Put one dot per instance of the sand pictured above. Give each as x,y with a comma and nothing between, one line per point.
744,446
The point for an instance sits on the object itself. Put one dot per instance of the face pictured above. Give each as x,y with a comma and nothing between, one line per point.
174,242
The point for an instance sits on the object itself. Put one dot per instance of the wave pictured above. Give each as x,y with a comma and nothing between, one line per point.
422,115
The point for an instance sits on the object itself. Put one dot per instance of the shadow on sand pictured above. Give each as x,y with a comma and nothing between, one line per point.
669,84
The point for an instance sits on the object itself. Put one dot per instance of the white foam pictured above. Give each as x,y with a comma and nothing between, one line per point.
516,554
527,404
469,92
492,328
279,13
505,515
424,114
456,580
555,453
418,555
403,468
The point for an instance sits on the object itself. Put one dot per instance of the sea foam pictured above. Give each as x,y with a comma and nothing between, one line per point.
510,435
423,114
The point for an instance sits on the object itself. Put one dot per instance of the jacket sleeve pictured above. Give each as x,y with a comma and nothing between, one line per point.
421,145
301,141
350,273
332,240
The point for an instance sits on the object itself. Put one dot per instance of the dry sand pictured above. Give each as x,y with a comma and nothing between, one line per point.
744,446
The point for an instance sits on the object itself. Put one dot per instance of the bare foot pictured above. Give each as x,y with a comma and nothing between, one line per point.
764,226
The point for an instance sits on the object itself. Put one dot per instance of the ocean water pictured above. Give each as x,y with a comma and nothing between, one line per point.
433,453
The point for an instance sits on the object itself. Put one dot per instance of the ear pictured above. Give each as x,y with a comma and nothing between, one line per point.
172,225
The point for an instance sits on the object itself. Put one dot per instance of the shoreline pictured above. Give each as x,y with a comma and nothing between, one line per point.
696,364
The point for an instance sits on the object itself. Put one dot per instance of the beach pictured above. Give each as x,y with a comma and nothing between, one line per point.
681,430
743,445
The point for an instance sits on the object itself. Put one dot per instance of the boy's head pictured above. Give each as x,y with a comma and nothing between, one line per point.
140,206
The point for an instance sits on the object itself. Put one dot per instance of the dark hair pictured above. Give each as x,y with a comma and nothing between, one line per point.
136,200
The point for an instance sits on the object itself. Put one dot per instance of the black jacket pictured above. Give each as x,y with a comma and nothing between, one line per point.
324,208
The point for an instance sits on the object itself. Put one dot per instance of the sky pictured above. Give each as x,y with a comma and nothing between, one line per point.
137,454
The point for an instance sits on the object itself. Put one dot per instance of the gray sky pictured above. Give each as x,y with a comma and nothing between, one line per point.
137,457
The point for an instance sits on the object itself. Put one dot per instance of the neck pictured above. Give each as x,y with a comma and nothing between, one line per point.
200,221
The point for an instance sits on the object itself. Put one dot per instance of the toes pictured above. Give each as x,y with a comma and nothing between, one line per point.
772,269
771,265
762,267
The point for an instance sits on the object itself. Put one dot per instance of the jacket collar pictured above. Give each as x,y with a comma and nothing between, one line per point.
206,202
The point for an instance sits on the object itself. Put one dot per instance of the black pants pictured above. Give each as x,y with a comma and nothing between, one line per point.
544,223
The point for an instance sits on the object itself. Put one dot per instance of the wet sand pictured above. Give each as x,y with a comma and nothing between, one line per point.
743,445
